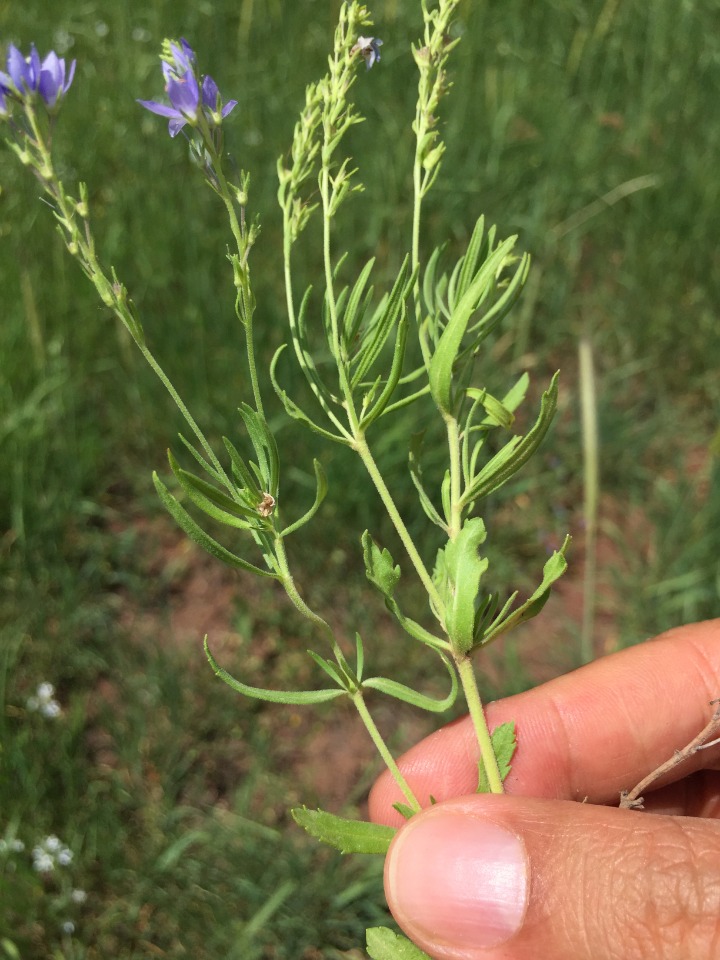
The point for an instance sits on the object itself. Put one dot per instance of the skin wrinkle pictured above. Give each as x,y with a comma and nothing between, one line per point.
672,899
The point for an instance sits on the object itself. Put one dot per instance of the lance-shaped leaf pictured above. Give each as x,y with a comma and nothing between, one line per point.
321,487
402,692
384,944
554,568
347,836
265,447
386,317
450,343
516,453
467,265
393,378
504,303
242,473
416,446
305,357
213,502
201,460
354,312
414,629
379,566
463,570
298,697
498,414
198,535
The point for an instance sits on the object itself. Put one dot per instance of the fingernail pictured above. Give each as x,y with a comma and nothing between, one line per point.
457,880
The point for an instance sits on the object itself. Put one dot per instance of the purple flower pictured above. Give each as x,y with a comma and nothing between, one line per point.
27,76
369,47
187,96
54,80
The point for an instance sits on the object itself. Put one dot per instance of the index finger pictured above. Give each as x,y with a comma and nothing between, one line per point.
586,735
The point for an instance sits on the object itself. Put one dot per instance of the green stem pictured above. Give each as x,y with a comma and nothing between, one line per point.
455,518
85,253
591,487
241,242
384,752
363,451
477,715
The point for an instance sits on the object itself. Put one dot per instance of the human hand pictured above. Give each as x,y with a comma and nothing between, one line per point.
531,875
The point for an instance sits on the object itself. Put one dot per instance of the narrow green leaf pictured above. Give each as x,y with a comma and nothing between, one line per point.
498,414
200,459
504,744
504,303
448,347
401,692
516,394
416,444
321,488
393,378
386,317
469,262
429,284
359,657
415,630
264,445
198,535
516,453
241,470
347,836
298,697
330,669
404,810
353,315
554,568
384,944
213,502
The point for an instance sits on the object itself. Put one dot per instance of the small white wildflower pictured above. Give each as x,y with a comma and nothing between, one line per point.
51,844
78,896
68,927
44,701
17,846
64,857
101,28
43,861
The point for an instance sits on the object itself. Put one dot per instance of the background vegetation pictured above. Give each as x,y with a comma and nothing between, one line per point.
588,127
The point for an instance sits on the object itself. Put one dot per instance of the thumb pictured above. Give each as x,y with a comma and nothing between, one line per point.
512,878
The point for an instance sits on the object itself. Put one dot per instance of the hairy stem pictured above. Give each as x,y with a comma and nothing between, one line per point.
384,751
477,715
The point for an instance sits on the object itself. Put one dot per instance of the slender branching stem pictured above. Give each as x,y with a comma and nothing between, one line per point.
455,518
384,751
477,715
363,450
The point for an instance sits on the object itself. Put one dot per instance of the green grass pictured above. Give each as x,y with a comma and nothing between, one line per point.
590,129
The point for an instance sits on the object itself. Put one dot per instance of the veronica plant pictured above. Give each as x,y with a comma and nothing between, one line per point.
451,309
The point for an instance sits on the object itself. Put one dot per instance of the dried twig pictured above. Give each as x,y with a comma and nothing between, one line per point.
633,799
